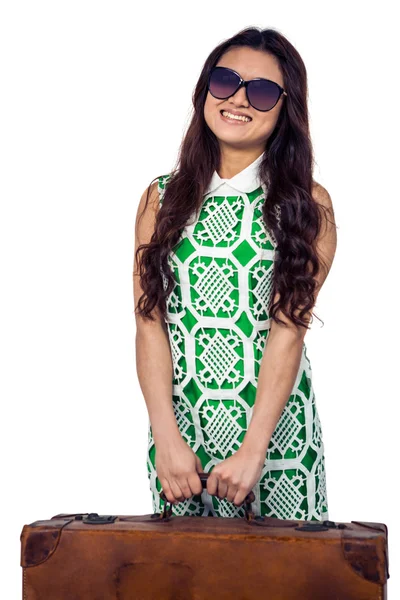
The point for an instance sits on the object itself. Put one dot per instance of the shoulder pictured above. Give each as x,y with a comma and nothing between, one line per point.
325,205
150,197
327,238
321,195
153,194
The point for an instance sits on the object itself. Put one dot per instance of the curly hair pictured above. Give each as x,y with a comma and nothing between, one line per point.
290,210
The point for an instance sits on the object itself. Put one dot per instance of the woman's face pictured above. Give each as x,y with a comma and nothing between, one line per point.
249,63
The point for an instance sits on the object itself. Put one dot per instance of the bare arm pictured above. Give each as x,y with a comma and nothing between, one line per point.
177,465
153,353
282,355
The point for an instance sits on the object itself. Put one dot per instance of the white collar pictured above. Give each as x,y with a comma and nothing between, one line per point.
245,181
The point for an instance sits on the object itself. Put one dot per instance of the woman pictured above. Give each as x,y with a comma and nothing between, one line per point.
234,248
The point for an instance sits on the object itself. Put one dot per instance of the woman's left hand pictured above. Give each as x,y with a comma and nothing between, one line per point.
234,477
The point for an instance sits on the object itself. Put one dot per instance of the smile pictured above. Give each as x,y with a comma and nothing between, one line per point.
236,119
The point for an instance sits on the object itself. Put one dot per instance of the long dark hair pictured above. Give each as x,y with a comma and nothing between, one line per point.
287,167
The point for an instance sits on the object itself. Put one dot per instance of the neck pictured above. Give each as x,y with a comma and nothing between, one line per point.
234,161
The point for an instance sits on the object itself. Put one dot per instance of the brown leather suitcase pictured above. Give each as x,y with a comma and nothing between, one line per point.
166,557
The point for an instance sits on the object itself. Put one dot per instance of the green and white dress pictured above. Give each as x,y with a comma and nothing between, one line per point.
218,325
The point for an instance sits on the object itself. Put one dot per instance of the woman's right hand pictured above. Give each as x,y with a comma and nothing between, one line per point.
177,468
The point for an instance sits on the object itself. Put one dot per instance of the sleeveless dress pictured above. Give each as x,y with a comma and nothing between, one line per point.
218,326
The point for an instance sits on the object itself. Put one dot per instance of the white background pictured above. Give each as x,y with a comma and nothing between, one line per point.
95,98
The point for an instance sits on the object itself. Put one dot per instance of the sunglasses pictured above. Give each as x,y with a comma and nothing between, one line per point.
262,93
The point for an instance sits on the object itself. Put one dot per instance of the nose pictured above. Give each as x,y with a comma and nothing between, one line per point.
240,96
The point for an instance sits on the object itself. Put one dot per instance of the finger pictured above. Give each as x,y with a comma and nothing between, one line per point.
177,492
185,488
212,483
195,484
231,492
166,488
241,494
222,489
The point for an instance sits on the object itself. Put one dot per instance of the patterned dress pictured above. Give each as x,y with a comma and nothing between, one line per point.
218,326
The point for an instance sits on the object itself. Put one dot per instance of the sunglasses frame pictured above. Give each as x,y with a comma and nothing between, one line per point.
243,83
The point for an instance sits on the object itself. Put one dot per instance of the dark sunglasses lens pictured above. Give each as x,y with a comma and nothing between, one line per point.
263,95
222,83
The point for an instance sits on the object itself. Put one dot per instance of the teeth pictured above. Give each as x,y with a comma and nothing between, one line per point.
238,117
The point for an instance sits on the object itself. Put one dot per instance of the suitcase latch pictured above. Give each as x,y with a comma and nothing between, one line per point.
96,519
320,526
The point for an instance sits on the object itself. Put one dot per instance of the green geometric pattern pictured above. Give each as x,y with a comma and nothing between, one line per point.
218,325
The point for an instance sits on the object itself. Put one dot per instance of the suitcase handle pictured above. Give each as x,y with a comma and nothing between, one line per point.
249,514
